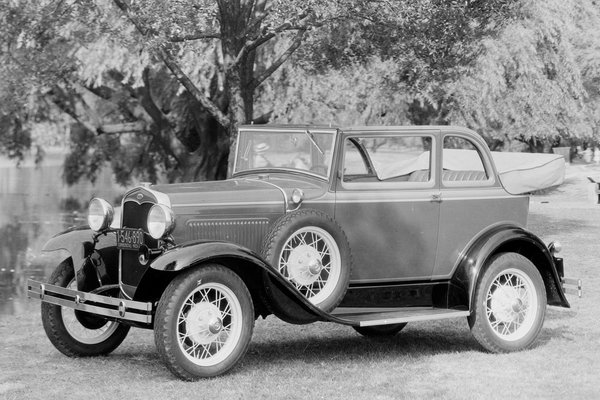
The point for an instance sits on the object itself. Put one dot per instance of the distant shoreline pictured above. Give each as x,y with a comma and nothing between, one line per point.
54,156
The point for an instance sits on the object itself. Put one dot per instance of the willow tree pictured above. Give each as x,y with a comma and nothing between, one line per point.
153,87
243,34
535,83
160,87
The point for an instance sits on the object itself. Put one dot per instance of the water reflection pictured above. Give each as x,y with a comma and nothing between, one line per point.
34,206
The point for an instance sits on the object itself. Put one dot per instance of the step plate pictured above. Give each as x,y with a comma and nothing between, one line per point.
386,316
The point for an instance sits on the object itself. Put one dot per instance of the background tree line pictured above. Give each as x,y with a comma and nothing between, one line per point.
157,89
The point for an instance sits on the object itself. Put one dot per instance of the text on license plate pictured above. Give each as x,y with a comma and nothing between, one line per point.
129,239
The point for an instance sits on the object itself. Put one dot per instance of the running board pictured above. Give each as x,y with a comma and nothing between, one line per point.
386,316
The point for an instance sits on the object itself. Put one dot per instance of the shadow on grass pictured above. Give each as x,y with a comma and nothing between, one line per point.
558,333
324,343
315,345
413,344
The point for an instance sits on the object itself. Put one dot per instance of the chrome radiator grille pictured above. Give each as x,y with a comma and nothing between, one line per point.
134,216
248,232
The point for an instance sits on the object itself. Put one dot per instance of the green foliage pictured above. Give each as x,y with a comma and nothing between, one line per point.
389,63
156,89
359,95
534,82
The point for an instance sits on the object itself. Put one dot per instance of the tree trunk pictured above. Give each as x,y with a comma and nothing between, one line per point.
234,17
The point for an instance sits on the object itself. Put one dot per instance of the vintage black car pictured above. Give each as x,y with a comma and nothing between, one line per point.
370,227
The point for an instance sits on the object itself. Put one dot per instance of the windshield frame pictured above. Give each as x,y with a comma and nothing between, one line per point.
278,130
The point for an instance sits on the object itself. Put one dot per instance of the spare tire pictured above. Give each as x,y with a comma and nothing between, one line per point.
312,252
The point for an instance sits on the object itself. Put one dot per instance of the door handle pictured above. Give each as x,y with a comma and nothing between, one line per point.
436,198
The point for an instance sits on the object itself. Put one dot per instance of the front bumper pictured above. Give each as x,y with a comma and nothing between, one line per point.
110,307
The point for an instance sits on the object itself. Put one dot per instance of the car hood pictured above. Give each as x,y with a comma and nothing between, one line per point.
250,189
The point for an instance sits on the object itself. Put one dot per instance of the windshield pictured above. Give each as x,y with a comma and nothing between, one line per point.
302,150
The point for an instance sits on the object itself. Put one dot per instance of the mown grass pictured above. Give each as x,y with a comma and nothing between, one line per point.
326,361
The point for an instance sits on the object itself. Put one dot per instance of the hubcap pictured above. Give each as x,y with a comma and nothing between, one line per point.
215,325
511,304
304,265
203,322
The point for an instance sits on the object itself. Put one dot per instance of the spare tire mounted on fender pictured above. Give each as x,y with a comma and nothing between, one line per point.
312,252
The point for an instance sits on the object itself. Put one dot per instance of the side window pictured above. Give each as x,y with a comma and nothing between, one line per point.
355,162
387,159
461,162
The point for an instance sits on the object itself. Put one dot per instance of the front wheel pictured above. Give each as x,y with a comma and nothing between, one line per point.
510,304
76,333
204,322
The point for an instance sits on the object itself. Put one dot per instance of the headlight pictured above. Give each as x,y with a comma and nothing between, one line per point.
100,214
161,221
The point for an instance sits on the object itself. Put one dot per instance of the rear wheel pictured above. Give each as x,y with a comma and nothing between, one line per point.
510,304
380,330
204,322
76,333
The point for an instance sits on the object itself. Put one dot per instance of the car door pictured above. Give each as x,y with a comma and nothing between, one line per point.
472,199
387,204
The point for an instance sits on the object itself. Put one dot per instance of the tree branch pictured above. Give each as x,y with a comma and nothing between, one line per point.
125,127
174,67
221,118
263,119
286,26
279,61
194,36
60,99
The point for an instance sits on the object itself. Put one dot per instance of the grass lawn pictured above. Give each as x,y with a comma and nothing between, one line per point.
426,360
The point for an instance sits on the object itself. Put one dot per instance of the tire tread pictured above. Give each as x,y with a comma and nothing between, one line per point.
52,323
478,325
166,344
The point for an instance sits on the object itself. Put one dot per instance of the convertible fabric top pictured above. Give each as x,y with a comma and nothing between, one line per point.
519,172
528,172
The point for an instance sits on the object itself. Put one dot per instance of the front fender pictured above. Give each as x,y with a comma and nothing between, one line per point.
498,239
245,262
97,262
194,253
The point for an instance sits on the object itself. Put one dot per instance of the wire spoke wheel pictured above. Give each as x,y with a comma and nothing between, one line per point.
511,304
204,322
209,324
77,333
311,251
311,260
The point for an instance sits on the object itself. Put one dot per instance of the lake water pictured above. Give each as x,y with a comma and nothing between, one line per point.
34,206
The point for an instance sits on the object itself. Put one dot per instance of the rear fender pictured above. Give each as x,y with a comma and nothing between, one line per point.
244,262
499,239
94,265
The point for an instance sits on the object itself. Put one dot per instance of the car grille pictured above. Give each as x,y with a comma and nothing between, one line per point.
135,216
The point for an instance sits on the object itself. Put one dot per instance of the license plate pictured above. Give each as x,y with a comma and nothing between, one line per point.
129,239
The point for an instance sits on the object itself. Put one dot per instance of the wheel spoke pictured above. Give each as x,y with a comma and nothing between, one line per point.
302,239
